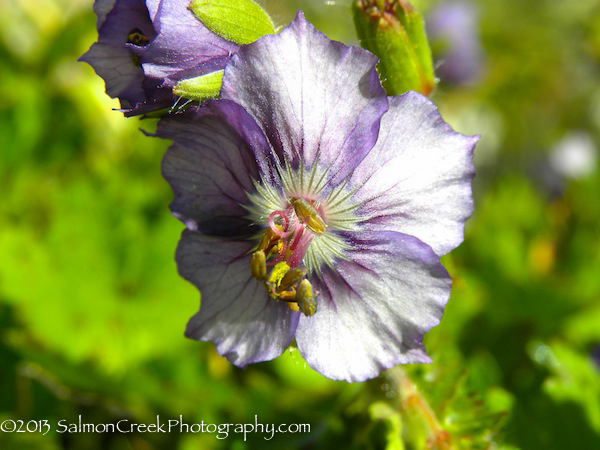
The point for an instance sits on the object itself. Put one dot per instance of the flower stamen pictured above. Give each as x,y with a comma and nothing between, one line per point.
292,277
259,265
283,248
307,303
137,37
308,214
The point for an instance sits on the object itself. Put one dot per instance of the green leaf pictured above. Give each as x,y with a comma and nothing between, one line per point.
239,21
202,87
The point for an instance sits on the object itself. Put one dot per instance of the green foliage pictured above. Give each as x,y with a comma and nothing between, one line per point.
200,88
239,21
92,310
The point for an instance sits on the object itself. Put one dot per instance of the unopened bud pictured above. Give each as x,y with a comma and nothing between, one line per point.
395,32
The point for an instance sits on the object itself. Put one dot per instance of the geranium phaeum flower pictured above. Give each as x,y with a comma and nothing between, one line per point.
316,208
146,46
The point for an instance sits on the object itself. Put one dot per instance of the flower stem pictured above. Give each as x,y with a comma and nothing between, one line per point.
413,401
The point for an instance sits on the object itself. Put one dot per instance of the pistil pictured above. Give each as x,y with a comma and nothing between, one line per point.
283,248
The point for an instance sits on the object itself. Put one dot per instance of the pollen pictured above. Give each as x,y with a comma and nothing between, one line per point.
283,248
301,217
286,284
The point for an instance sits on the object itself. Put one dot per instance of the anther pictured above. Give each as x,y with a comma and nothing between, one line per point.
294,306
268,241
292,277
259,265
288,296
137,37
278,260
308,215
307,303
278,272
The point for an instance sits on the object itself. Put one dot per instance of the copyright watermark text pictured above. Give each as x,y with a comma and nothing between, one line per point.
222,430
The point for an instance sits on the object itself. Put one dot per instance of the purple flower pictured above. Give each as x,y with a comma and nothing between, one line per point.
146,46
305,188
452,31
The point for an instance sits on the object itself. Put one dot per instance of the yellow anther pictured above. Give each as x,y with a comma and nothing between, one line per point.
288,296
309,215
267,239
259,265
316,224
294,307
137,37
278,272
305,298
278,248
292,277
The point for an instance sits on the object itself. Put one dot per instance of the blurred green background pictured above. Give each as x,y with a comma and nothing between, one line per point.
92,311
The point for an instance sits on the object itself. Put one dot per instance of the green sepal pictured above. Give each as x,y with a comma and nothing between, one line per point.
202,87
396,34
415,28
239,21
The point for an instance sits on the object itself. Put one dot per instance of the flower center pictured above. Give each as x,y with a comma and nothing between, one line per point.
303,235
283,248
137,37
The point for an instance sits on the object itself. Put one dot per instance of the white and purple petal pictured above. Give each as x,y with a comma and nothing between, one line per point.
184,47
374,308
417,178
211,166
315,99
102,8
236,314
